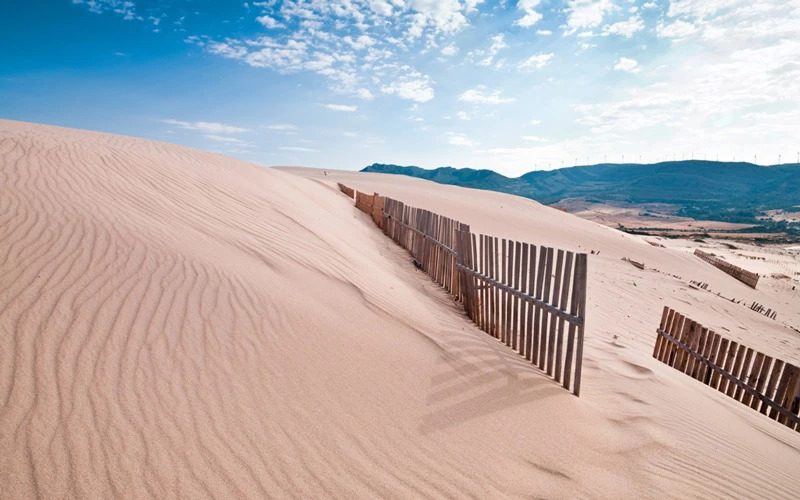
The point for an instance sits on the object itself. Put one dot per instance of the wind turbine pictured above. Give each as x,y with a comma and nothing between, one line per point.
779,159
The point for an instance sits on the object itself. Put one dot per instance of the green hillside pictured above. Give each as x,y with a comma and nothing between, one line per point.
732,192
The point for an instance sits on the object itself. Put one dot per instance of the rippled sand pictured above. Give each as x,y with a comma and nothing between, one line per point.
176,323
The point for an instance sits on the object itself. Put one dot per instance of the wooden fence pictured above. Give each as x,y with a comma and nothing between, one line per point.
748,278
768,385
346,190
536,306
371,204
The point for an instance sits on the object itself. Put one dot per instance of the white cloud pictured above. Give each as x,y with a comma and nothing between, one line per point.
587,13
487,56
443,16
341,107
209,127
227,140
283,127
677,30
360,43
535,122
544,32
364,94
125,8
537,61
414,86
269,22
625,28
628,65
297,149
533,138
380,7
462,115
450,50
226,50
459,140
482,95
531,16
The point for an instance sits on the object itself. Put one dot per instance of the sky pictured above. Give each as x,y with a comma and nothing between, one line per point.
513,86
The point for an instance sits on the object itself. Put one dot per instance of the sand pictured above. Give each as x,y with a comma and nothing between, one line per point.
176,323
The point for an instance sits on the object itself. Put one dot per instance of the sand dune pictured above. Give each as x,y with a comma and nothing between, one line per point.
176,323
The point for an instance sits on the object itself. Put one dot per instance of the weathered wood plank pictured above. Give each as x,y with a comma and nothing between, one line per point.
742,371
548,279
523,304
660,338
516,301
562,304
551,339
531,306
582,281
752,378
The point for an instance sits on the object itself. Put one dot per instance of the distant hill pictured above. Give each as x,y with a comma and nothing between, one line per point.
733,192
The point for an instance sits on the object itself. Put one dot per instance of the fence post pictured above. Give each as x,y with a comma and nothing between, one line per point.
581,282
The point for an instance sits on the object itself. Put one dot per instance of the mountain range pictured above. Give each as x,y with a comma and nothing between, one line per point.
725,191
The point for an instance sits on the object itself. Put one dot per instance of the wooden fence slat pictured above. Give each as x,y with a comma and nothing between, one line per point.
763,374
531,307
548,278
686,338
524,305
508,257
491,293
537,314
574,307
752,379
707,340
787,381
494,290
484,306
583,266
700,344
551,340
562,304
742,372
712,355
515,305
777,368
731,365
677,328
663,349
720,361
660,338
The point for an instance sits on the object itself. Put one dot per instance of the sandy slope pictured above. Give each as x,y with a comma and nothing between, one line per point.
178,323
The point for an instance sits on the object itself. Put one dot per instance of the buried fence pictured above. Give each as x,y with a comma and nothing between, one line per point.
346,190
748,278
768,385
531,298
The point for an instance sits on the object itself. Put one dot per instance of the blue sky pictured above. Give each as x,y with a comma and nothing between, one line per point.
508,85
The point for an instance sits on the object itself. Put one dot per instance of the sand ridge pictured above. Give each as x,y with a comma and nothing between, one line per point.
176,323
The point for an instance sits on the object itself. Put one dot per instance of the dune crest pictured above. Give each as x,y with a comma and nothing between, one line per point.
178,323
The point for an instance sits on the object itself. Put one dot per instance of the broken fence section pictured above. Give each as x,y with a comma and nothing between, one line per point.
767,385
748,278
531,298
